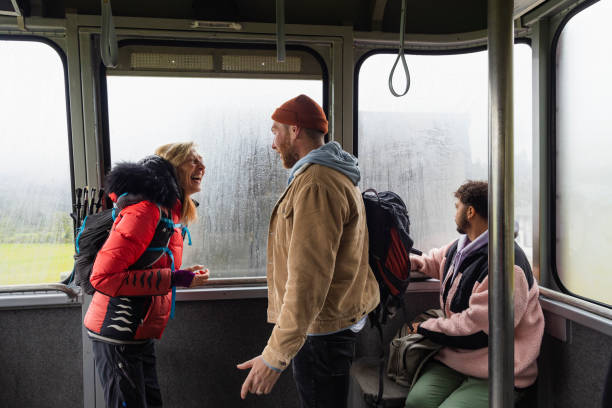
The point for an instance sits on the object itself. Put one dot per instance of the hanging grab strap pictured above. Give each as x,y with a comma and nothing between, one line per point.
109,50
166,250
400,55
280,30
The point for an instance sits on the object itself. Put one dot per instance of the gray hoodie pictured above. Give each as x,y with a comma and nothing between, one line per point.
330,155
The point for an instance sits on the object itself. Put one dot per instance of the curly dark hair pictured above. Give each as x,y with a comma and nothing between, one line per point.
476,194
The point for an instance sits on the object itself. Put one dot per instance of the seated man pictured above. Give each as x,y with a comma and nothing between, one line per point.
458,376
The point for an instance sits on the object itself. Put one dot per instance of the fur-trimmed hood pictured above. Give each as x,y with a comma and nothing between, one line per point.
152,179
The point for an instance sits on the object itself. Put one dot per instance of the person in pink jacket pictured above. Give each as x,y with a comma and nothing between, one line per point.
458,376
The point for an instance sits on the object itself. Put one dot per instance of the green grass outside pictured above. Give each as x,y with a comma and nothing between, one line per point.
34,263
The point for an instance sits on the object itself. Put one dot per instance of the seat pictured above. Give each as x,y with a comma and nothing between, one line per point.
364,388
364,383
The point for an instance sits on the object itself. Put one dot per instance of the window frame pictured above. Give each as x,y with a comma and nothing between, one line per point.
105,133
553,148
64,61
232,287
375,51
431,52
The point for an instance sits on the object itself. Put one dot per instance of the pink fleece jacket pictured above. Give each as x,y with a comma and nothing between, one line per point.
528,321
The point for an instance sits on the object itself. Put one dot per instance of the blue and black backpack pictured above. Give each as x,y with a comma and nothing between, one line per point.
152,179
95,231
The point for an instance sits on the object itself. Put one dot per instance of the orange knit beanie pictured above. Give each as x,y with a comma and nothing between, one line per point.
301,111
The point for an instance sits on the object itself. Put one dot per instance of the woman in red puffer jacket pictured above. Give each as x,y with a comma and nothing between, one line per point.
138,268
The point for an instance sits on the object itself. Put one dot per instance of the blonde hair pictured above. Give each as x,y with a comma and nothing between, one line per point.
177,154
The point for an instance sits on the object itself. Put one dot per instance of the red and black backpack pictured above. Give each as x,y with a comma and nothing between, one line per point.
390,247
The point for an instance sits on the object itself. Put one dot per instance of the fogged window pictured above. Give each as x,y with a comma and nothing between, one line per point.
429,142
584,143
36,236
229,119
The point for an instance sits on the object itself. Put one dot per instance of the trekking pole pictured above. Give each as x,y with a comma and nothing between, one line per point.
78,193
100,197
85,202
93,200
73,214
74,208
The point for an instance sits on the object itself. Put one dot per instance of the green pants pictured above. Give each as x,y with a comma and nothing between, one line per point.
441,386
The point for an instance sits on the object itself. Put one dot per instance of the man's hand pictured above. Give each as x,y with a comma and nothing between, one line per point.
261,378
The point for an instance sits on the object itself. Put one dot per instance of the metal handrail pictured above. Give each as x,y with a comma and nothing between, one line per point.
72,293
235,281
40,287
579,303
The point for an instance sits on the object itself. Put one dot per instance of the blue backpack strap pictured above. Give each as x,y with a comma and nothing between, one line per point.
76,242
172,225
166,250
167,221
114,213
184,230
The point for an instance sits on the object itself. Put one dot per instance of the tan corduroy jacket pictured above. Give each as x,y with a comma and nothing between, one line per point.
319,280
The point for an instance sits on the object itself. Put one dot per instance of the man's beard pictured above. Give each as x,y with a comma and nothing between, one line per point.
463,223
288,156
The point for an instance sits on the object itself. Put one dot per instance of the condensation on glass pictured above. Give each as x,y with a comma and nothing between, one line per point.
36,232
429,142
229,119
584,142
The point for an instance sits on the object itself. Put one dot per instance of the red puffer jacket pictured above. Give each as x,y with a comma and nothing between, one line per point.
133,304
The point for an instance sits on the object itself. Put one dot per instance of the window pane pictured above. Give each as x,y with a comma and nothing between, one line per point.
584,169
229,119
426,144
36,232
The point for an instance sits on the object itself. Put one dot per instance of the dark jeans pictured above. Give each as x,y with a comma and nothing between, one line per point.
321,370
127,373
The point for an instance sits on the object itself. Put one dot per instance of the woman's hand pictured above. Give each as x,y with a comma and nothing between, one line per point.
201,275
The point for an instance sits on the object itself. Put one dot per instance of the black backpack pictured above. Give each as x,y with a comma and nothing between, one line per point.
95,231
390,247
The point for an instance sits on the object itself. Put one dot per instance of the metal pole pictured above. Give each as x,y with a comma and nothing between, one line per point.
501,205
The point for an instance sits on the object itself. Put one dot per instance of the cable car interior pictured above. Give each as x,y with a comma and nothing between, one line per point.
418,95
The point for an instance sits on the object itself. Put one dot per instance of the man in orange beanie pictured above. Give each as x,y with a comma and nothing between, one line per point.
320,285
